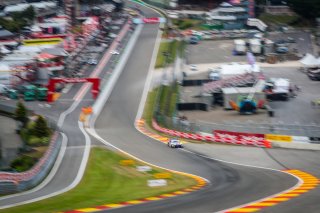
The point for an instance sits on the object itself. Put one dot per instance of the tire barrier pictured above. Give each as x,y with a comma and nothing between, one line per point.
314,140
246,139
15,182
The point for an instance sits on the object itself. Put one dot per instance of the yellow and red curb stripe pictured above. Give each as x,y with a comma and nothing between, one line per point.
308,182
140,124
200,182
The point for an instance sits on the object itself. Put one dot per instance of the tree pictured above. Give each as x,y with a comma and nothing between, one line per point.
309,9
41,128
21,113
29,14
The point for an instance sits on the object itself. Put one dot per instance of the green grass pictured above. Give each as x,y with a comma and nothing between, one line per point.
186,23
278,19
169,47
105,181
174,48
149,106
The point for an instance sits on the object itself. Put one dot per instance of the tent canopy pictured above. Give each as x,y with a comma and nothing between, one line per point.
310,61
4,50
55,51
4,68
45,56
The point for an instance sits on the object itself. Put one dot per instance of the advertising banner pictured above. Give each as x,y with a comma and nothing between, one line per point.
152,20
241,137
279,138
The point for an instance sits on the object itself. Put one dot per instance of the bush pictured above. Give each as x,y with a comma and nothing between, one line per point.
185,25
45,140
23,163
34,141
24,134
41,128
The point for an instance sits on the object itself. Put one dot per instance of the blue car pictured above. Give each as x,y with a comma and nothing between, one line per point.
194,40
282,50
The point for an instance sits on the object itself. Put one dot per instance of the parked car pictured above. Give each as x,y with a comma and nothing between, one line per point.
193,67
282,50
280,42
92,62
194,40
291,40
175,143
114,52
214,75
314,75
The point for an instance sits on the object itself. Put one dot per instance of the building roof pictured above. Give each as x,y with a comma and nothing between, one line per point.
55,51
231,9
23,6
5,33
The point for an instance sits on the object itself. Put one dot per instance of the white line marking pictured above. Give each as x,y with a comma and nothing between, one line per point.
75,181
65,113
299,183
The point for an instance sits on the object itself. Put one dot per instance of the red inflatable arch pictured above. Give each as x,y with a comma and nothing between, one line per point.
53,81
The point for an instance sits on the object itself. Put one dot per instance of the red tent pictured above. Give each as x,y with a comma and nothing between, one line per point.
45,56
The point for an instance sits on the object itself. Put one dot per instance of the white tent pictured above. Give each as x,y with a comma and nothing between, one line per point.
238,69
4,68
35,28
310,61
28,49
4,50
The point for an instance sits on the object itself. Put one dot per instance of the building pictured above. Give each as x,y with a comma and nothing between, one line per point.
43,9
198,4
5,34
233,15
10,2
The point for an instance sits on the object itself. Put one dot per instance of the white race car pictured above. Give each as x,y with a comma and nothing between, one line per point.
175,143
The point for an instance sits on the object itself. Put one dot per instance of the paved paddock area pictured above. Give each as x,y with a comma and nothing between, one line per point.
9,140
297,111
212,52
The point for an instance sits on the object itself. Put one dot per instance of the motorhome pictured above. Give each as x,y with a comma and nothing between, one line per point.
240,46
255,46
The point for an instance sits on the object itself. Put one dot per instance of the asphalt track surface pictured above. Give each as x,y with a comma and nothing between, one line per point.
230,185
76,142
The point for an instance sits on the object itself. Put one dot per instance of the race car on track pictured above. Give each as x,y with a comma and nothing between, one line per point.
175,143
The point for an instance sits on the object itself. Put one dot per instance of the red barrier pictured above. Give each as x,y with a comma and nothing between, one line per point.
227,137
240,137
53,81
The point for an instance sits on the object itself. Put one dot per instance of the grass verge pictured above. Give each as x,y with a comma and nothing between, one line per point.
278,19
106,181
174,48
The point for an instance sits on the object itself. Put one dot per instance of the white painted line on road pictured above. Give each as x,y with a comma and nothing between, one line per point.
75,181
67,88
65,113
298,184
46,180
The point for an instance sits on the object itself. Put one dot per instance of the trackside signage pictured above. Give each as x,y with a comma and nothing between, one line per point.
279,138
238,136
151,20
156,183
